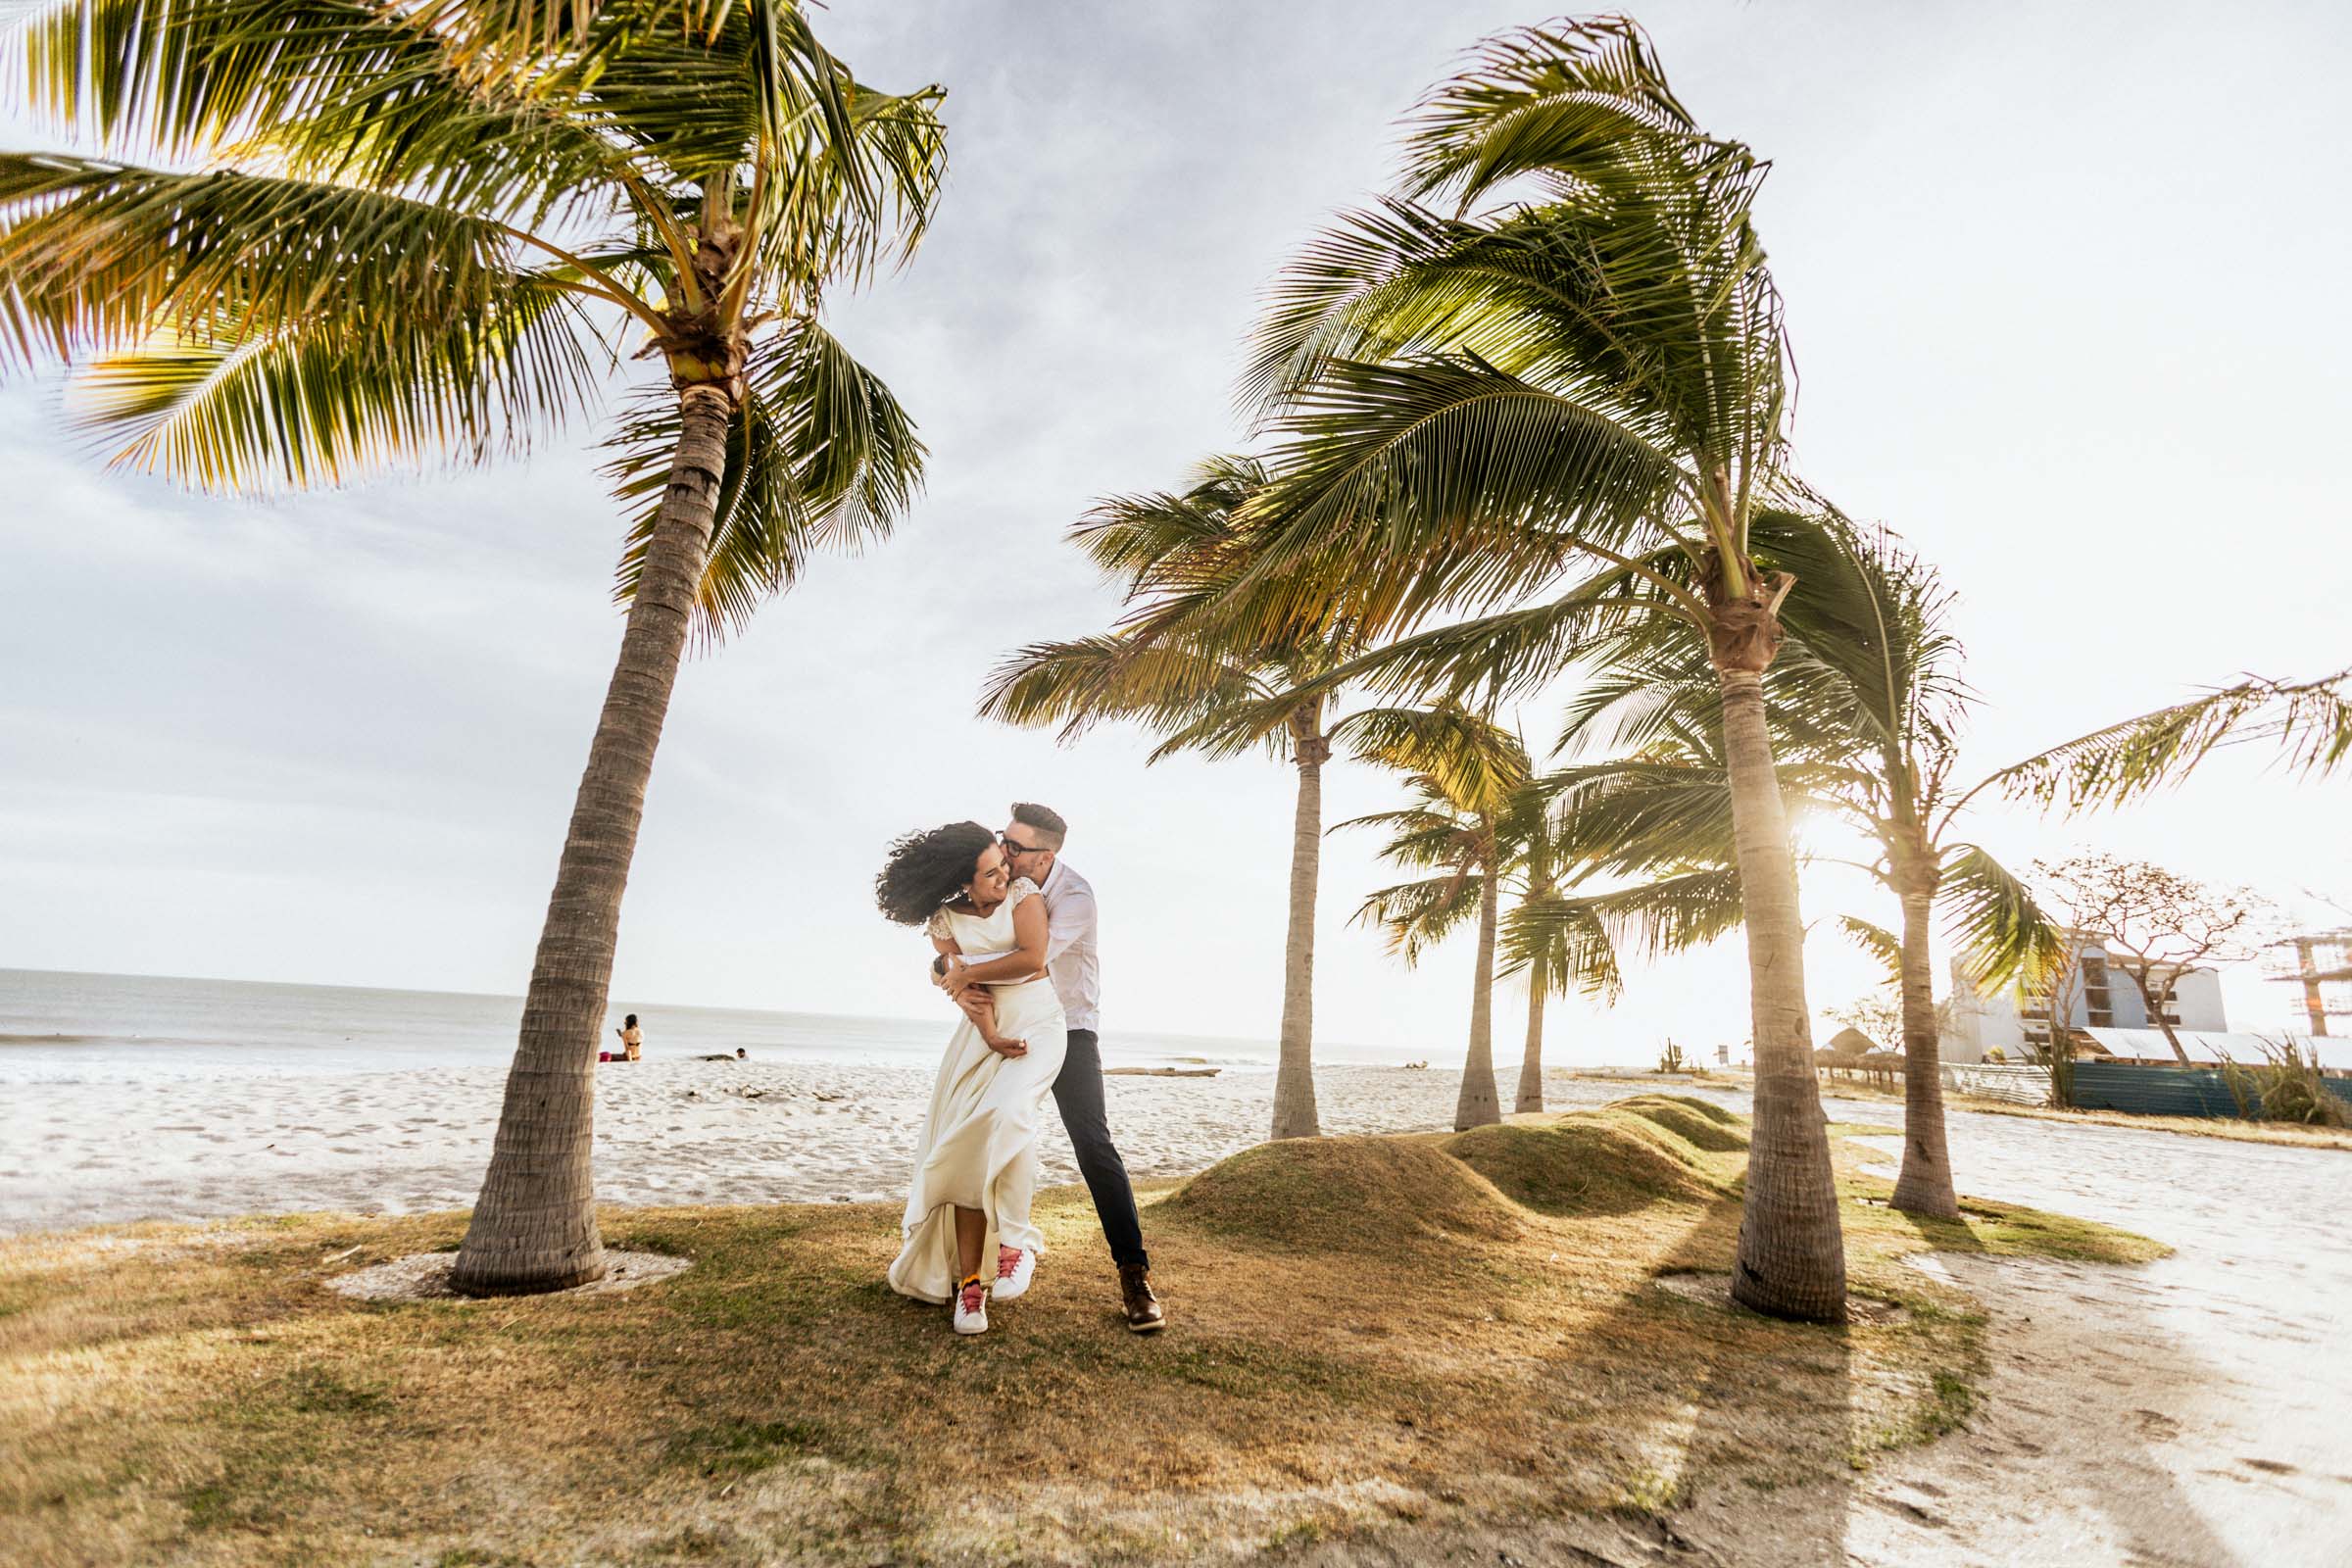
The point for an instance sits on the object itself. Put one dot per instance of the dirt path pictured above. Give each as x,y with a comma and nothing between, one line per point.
2193,1413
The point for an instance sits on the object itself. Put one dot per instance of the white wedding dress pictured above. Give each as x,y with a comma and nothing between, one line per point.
978,1148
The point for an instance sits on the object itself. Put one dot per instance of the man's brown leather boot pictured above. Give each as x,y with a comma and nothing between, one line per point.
1144,1315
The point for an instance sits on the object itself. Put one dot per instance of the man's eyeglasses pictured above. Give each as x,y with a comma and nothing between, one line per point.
1016,847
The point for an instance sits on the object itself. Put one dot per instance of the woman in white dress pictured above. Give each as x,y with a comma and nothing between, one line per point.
975,1165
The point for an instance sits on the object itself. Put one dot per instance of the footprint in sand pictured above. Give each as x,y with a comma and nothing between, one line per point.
2272,1467
2155,1426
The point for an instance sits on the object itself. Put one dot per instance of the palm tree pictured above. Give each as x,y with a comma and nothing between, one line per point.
1546,951
374,232
1203,689
1867,703
1468,822
1487,405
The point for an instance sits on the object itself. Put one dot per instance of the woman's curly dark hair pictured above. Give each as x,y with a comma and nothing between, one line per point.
926,870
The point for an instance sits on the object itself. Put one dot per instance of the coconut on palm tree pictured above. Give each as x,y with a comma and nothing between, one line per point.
1570,379
1185,671
323,236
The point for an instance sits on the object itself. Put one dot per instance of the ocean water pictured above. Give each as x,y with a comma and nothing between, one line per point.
61,1027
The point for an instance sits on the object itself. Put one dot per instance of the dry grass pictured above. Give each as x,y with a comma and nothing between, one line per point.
176,1395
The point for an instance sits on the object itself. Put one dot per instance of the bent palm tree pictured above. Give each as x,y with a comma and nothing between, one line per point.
1474,403
423,226
1867,702
1189,678
1468,778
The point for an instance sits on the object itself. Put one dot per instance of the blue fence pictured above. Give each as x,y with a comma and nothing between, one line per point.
2164,1091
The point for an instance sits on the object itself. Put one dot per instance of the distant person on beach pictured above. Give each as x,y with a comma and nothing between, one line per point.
632,1037
1032,843
975,1160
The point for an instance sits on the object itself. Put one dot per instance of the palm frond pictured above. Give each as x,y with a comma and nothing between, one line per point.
1455,471
1577,101
2005,934
2308,723
1569,937
1648,920
1415,916
1176,690
325,398
98,257
1473,762
1876,941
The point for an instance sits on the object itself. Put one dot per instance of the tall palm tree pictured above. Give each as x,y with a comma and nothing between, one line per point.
1537,403
373,232
1467,823
1867,703
1189,676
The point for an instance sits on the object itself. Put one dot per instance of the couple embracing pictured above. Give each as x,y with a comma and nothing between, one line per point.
1014,929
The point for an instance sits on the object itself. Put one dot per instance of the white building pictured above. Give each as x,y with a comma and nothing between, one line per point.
2100,998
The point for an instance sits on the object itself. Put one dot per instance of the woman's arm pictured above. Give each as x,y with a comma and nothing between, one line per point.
1031,938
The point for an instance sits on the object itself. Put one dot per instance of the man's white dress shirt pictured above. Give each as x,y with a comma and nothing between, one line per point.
1071,958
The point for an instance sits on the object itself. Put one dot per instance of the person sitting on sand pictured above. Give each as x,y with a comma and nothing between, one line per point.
975,1160
631,1038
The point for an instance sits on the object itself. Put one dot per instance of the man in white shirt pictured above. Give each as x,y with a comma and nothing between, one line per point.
1033,842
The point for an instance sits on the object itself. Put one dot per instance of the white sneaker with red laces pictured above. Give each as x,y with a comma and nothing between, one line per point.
1015,1268
971,1306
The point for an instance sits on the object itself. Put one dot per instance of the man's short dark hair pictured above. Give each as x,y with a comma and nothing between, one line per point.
1047,820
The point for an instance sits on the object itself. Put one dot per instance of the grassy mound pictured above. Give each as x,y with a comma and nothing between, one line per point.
1694,1121
1342,1194
1589,1162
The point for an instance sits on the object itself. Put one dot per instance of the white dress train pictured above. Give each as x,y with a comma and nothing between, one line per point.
978,1148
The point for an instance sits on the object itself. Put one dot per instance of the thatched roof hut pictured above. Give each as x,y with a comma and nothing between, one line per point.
1852,1045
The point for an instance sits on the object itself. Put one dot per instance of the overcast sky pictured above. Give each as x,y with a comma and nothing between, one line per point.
2065,286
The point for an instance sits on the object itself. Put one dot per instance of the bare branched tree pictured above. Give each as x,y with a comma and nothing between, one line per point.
2156,925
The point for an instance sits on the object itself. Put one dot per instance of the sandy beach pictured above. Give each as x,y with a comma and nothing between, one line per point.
125,1147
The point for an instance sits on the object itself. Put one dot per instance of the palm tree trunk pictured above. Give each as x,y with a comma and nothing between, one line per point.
1295,1079
1925,1185
1531,1065
535,1225
1792,1258
1479,1105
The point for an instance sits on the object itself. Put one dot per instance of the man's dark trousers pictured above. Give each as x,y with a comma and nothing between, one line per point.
1079,1094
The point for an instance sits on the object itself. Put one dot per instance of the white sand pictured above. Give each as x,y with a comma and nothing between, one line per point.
667,1132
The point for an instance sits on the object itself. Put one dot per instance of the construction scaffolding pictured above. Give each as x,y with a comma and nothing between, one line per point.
2319,964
